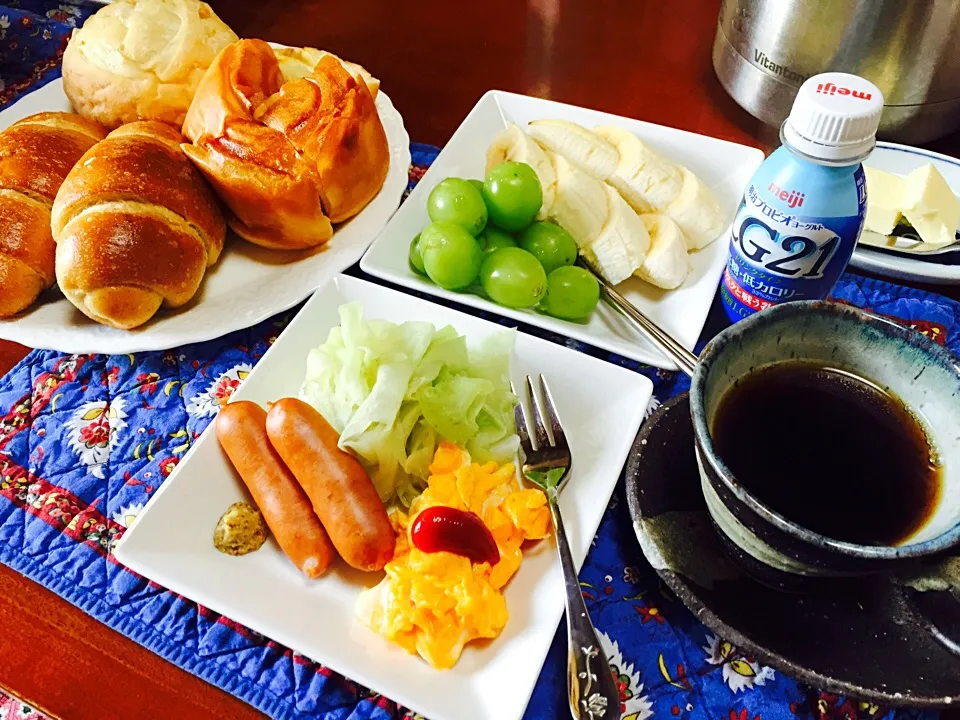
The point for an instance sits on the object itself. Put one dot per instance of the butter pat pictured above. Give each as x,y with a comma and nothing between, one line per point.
930,206
885,194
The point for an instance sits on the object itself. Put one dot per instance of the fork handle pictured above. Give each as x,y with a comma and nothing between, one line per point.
664,342
591,690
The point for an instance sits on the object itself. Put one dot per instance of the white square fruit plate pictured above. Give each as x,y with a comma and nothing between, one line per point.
724,166
601,406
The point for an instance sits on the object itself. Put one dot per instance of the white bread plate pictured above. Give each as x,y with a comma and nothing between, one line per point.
247,285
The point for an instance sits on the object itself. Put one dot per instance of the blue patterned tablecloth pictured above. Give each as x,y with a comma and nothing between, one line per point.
85,440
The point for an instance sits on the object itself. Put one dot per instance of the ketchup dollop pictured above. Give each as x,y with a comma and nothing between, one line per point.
446,529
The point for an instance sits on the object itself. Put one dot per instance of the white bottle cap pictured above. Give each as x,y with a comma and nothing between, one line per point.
834,118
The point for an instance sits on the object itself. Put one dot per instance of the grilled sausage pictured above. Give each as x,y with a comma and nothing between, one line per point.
241,430
342,493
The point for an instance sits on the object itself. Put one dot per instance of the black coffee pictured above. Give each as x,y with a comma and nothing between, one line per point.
830,451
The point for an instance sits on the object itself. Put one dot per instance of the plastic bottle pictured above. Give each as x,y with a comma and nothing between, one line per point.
803,211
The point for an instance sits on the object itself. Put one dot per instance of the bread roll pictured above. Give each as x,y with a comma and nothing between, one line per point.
136,227
36,154
299,62
289,155
142,60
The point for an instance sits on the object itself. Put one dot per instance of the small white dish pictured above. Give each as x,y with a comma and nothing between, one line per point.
724,166
247,285
901,160
601,406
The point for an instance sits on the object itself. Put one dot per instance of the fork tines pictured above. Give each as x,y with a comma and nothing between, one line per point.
545,435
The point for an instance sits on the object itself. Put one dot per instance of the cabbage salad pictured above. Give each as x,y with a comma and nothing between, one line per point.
394,392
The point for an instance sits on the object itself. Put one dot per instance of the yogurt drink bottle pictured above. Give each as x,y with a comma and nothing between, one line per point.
803,211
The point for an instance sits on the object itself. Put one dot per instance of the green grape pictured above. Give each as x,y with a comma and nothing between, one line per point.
451,256
457,201
572,293
416,259
513,277
493,239
550,244
513,195
478,184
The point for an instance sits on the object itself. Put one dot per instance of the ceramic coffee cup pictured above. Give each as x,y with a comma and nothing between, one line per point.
924,375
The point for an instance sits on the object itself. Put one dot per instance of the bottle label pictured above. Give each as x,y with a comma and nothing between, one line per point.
779,254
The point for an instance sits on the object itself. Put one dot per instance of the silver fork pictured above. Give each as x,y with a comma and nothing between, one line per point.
591,691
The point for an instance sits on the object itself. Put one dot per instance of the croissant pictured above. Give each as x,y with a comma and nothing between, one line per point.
136,227
36,154
288,155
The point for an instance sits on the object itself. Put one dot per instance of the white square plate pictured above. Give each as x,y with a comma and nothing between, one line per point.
724,166
601,406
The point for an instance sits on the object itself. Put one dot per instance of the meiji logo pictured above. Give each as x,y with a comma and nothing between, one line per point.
791,197
831,89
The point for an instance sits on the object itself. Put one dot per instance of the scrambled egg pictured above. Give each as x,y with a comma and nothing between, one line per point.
435,603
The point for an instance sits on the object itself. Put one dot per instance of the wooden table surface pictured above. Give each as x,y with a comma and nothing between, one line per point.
646,59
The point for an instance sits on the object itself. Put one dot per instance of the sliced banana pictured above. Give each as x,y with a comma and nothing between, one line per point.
580,205
697,211
514,145
578,145
679,212
646,180
666,264
620,248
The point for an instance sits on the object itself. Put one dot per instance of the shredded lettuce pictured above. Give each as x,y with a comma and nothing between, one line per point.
393,392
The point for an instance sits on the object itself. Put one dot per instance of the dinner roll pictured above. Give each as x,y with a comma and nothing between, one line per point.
299,62
36,154
290,139
136,227
142,60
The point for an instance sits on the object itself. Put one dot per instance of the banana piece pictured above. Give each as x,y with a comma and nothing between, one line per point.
697,211
580,204
514,145
666,264
610,235
646,180
578,145
620,248
649,183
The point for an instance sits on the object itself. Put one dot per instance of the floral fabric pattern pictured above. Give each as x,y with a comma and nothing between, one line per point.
13,709
85,441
